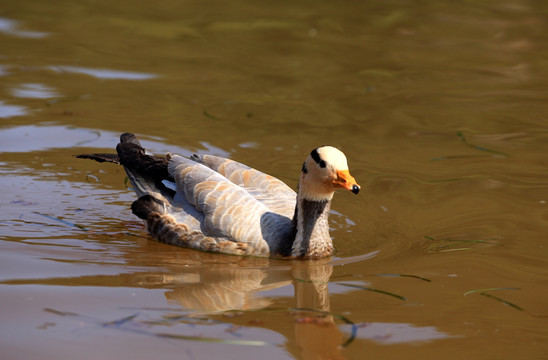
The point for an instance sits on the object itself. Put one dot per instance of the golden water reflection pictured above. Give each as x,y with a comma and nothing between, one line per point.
237,291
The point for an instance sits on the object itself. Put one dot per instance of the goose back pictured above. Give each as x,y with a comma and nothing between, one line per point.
273,193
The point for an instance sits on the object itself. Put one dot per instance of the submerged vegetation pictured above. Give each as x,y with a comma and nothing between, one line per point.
448,244
465,141
486,293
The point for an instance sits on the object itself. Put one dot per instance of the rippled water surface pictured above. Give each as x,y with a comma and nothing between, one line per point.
441,108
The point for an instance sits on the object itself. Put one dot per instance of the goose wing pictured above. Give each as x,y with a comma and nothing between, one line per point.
229,210
272,192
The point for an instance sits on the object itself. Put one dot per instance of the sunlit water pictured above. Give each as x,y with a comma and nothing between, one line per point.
440,107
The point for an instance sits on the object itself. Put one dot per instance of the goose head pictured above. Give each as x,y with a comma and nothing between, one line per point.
324,171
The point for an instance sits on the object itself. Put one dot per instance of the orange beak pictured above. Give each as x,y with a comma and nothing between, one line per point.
346,181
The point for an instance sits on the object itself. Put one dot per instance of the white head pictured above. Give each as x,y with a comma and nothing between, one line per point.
324,171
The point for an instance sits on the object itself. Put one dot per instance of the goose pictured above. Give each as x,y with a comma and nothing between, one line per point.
215,204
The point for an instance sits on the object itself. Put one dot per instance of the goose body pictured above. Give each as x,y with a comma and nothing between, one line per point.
215,204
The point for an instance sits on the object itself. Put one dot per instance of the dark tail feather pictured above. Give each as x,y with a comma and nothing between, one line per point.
127,138
134,157
145,171
111,158
130,138
146,205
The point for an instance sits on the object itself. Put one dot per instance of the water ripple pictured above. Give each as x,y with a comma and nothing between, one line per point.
7,111
11,27
34,91
106,74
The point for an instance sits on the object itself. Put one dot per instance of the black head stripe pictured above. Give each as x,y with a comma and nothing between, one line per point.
316,156
304,169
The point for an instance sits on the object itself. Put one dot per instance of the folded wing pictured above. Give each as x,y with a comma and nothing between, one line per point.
229,209
273,193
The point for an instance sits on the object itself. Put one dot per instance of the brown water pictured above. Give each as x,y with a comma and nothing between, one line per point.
441,108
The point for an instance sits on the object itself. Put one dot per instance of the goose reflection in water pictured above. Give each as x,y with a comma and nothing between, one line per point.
227,283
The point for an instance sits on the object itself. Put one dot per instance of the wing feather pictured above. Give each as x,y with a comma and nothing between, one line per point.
272,192
229,210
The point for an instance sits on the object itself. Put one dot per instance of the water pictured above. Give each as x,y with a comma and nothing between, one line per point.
440,107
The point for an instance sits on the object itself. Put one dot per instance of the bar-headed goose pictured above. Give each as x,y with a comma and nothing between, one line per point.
215,204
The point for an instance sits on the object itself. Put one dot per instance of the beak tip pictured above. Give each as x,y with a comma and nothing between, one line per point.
355,189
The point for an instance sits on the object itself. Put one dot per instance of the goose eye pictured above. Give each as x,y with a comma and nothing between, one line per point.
322,164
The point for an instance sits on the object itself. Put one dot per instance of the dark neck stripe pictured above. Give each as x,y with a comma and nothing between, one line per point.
311,211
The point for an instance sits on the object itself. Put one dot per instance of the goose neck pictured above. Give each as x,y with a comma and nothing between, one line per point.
312,239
